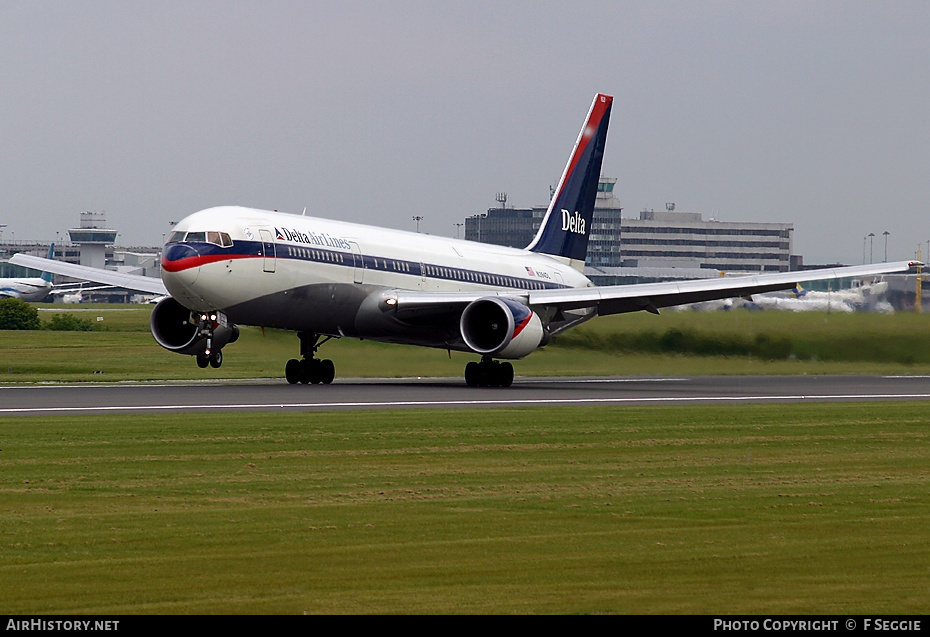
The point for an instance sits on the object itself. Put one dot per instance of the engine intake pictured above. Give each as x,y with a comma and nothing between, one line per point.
501,327
175,330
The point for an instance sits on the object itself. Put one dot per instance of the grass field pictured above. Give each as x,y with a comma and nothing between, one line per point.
739,509
631,344
801,509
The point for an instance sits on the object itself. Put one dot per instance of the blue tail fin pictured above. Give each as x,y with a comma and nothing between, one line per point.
565,228
47,276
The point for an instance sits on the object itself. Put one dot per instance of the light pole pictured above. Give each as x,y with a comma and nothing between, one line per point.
418,219
863,250
886,233
871,243
458,228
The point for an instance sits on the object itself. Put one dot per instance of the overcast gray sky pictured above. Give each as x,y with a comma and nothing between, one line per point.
815,113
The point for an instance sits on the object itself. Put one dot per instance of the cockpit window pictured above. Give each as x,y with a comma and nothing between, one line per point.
221,239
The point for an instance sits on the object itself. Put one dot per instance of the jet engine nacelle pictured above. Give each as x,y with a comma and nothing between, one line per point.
176,329
501,327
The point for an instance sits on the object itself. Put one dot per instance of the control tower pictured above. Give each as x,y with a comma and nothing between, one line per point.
93,237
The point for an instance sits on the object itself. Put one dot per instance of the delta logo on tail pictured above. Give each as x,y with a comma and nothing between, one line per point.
572,223
563,232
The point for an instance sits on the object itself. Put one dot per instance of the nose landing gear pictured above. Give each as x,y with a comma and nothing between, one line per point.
209,356
214,359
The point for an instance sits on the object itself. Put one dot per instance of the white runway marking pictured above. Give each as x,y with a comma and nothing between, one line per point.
457,403
602,380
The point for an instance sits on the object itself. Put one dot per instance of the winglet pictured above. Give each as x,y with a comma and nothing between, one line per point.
565,228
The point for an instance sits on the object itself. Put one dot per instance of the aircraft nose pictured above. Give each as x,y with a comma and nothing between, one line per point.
180,264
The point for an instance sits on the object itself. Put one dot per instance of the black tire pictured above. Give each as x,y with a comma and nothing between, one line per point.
304,375
494,374
505,375
202,361
292,371
216,359
327,371
316,371
471,374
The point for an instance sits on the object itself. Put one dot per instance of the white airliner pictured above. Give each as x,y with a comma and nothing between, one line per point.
28,288
35,289
866,298
323,279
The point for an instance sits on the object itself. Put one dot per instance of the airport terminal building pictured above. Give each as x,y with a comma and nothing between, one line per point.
666,240
91,243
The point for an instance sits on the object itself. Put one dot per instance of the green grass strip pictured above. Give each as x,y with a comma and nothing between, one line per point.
811,508
675,343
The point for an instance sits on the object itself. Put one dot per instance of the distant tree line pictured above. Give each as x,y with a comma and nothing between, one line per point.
16,314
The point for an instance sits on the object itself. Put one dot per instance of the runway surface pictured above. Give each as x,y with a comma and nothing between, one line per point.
273,395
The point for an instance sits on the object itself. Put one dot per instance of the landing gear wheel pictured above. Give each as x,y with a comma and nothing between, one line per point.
327,371
471,374
316,373
488,373
304,376
216,359
309,369
506,375
202,361
292,371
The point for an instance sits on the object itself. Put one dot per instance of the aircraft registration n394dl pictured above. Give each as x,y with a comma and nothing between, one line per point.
323,279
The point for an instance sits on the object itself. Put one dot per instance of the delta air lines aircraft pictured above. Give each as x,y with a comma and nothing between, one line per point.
323,279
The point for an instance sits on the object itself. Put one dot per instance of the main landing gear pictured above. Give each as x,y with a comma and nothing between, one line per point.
488,373
309,369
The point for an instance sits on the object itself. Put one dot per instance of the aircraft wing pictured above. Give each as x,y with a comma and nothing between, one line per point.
137,282
617,299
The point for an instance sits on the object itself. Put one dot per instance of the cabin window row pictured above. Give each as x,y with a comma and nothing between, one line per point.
390,264
316,255
479,277
456,274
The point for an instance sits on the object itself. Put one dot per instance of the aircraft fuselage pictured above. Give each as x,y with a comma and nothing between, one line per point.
27,289
327,277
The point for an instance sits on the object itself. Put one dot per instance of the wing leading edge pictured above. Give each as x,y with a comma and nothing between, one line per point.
147,284
618,299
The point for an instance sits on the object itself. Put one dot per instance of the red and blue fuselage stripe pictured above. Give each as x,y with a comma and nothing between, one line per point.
177,257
